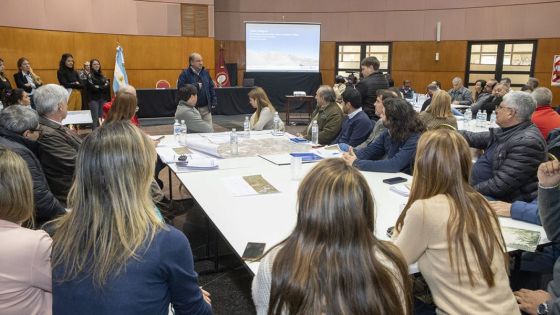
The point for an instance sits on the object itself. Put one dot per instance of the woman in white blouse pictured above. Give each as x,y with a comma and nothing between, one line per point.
263,118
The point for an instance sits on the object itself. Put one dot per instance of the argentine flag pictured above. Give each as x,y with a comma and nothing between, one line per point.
119,78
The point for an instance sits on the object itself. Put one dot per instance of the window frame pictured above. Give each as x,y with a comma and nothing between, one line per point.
363,48
499,73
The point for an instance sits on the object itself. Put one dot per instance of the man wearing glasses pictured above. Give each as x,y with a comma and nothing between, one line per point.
512,153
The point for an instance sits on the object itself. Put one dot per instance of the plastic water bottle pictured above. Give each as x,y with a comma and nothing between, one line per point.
493,120
276,128
247,127
233,142
315,133
176,129
480,118
467,115
183,133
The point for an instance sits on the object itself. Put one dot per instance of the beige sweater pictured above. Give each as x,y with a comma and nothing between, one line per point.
423,239
433,122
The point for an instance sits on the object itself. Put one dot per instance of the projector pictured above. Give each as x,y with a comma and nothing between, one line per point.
299,93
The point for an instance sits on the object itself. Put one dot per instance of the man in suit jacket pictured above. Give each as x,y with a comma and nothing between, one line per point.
356,126
58,144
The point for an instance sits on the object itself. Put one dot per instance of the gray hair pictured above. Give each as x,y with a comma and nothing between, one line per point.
523,103
457,80
327,93
533,82
542,96
18,118
48,97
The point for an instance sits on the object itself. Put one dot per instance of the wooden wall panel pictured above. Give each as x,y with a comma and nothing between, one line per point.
546,49
416,61
147,58
327,62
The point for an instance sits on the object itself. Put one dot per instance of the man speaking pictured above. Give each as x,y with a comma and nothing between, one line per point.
198,76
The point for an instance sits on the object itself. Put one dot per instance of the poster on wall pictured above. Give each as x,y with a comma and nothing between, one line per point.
555,71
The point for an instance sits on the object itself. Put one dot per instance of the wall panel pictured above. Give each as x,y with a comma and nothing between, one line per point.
546,49
147,58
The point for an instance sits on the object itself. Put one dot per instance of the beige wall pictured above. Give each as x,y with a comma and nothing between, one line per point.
132,17
397,20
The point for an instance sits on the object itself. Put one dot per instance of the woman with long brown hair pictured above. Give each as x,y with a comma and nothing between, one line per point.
113,253
439,112
332,263
123,106
263,118
451,231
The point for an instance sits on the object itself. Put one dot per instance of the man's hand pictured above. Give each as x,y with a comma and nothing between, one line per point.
529,300
349,157
503,209
549,174
206,296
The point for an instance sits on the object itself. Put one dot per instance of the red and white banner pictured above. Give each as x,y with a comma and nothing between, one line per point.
222,75
555,81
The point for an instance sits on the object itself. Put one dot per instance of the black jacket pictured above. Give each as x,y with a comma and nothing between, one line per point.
47,207
5,88
69,78
516,159
554,142
21,81
97,86
368,89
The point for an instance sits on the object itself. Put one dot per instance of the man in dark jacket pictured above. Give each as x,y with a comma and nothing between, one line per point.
507,169
18,126
198,76
546,302
357,126
373,80
58,144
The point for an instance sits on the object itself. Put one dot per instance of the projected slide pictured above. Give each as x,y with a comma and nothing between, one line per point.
282,47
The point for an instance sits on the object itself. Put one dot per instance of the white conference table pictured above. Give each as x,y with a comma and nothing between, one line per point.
270,218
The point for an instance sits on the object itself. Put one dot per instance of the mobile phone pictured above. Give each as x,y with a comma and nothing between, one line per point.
395,180
390,231
253,251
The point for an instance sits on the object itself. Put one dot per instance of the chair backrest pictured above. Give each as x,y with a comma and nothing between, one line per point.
162,84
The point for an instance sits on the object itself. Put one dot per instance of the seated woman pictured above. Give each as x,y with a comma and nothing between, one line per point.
18,97
263,118
186,110
439,112
394,150
113,254
123,106
332,263
25,263
451,231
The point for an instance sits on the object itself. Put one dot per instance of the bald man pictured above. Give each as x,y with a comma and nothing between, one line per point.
196,75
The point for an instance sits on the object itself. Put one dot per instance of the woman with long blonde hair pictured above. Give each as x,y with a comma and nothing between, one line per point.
25,264
113,254
439,112
451,231
263,118
332,263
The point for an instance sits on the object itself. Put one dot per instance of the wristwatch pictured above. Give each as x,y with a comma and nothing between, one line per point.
542,309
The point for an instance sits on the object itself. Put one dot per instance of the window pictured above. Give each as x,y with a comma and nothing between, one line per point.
489,60
351,54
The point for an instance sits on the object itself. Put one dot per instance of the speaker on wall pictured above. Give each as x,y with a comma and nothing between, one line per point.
232,70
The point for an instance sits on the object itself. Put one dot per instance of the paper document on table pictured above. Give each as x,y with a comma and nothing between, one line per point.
248,185
401,189
204,146
220,138
198,164
329,151
521,239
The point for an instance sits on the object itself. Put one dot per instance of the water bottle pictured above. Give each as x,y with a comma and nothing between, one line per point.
276,128
233,142
315,133
493,119
480,118
176,129
183,133
467,115
247,127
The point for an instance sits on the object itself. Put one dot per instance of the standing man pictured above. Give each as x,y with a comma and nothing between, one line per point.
198,76
460,95
373,80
